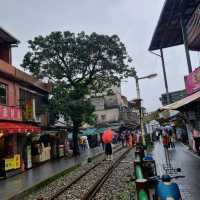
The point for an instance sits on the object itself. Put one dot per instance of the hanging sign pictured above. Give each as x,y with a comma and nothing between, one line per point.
192,81
10,113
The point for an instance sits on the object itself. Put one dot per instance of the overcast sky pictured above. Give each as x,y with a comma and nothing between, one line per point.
133,20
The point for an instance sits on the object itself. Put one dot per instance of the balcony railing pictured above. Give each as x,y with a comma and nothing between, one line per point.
10,113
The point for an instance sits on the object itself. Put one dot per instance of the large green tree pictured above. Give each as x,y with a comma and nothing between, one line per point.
77,64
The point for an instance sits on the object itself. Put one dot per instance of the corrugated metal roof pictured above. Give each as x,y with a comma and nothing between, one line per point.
6,37
168,31
178,104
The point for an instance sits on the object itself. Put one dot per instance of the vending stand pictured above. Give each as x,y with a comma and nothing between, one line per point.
15,149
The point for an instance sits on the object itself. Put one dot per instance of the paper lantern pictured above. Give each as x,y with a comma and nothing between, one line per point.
107,136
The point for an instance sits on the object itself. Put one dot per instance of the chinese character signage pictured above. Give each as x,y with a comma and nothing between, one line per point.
192,81
12,163
10,113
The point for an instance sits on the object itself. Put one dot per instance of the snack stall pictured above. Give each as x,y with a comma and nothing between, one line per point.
55,143
40,148
15,151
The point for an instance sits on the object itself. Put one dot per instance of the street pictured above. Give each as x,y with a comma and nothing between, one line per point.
190,165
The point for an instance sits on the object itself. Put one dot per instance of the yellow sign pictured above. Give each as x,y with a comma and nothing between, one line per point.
12,163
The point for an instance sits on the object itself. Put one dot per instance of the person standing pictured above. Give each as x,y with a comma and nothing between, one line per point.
130,141
127,137
122,137
102,143
108,151
196,137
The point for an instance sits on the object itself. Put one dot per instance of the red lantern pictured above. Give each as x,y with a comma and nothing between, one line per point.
107,136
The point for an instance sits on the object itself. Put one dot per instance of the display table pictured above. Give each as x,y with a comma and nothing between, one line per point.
43,156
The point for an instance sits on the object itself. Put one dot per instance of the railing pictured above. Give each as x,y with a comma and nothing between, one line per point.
140,181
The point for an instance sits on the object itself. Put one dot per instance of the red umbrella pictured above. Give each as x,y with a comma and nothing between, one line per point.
107,136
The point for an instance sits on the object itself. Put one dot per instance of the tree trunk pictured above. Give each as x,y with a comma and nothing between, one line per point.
75,138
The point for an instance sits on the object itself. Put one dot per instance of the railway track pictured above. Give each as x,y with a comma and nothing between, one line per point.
85,186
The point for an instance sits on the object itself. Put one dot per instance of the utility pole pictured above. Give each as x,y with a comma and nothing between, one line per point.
137,87
140,101
185,41
165,76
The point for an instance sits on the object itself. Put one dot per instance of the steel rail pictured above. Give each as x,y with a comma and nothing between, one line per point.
97,186
63,189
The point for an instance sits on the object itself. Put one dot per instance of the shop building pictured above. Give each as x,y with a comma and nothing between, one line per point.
189,106
23,111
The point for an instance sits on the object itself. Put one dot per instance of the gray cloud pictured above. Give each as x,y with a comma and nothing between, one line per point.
134,21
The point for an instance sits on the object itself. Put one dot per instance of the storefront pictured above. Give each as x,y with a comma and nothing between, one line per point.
15,147
54,143
190,108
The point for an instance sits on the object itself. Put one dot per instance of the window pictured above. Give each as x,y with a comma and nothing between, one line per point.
3,94
103,117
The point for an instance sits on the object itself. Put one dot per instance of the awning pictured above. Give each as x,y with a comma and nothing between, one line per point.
178,104
12,128
89,131
168,31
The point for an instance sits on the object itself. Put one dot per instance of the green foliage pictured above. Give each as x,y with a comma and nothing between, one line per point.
77,64
72,104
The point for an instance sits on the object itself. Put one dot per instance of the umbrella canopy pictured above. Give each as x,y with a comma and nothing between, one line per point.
107,136
89,131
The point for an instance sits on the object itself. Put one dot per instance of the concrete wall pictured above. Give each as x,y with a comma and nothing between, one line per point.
5,53
109,115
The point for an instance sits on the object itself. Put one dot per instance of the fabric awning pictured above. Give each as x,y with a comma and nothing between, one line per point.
178,104
14,127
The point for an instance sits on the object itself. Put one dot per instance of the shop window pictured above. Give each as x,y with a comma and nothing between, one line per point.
3,94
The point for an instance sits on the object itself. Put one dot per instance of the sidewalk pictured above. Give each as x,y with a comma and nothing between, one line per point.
188,162
13,185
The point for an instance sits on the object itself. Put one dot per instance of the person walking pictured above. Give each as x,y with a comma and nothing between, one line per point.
166,141
173,140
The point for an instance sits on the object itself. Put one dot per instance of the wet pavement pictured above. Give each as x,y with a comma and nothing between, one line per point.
190,165
14,185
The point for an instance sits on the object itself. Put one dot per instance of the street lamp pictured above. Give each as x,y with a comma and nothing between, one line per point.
150,76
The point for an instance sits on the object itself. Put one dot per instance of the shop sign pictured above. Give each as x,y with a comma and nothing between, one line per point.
12,163
192,81
10,113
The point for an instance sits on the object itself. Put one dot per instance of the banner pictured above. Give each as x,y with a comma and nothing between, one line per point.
10,113
192,81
